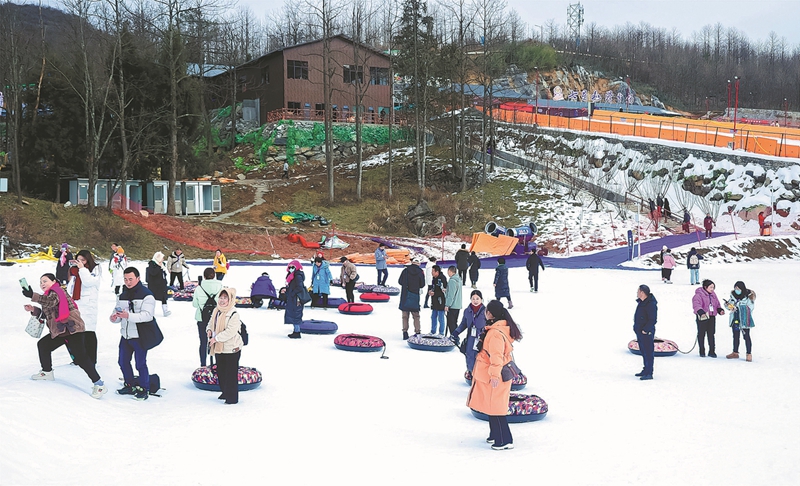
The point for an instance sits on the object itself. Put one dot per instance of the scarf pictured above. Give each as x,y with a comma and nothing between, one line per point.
63,304
62,260
475,308
221,317
76,288
290,275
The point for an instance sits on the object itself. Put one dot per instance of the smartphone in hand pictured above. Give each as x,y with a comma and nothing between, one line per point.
23,282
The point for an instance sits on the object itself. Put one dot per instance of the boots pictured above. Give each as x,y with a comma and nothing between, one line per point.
749,357
733,355
294,335
166,311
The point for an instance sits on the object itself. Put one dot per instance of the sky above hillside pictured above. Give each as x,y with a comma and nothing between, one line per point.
756,19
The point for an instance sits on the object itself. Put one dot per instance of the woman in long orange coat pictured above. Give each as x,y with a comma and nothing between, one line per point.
489,393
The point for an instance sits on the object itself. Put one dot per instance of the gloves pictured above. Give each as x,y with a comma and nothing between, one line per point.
455,339
27,292
721,311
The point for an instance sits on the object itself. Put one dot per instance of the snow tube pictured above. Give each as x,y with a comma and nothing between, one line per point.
494,229
521,408
374,297
333,302
318,327
205,378
663,347
182,296
276,304
379,289
355,309
517,383
358,342
363,287
243,302
428,342
295,238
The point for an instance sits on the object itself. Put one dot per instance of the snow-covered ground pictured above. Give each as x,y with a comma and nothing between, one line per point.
324,415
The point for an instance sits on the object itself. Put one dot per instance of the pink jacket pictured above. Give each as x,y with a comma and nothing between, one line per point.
669,261
705,301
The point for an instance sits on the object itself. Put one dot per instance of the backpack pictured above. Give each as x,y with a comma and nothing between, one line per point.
693,260
155,385
208,308
243,331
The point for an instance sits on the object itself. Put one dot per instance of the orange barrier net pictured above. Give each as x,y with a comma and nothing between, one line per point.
764,140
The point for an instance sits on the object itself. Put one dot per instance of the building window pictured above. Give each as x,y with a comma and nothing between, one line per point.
353,74
379,76
319,108
297,69
293,106
265,75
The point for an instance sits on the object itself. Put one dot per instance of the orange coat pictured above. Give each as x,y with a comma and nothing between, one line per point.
495,354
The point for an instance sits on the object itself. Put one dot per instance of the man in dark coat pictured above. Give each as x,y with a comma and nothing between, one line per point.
532,264
411,281
644,326
708,223
474,267
462,263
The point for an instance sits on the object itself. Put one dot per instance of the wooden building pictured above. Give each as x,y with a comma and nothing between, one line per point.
287,83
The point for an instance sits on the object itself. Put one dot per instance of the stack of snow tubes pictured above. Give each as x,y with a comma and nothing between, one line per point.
521,408
205,378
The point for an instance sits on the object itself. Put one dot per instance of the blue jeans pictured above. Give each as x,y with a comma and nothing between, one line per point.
647,347
437,315
694,275
131,348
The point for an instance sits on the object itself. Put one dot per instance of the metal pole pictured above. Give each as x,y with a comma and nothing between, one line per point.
733,225
728,109
785,112
627,91
536,88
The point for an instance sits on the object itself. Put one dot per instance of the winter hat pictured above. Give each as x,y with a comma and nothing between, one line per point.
664,247
158,257
343,259
416,260
295,264
497,309
476,292
64,246
644,288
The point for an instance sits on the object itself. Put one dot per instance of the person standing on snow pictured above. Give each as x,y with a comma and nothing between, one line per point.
644,326
439,287
320,283
741,305
532,264
285,170
453,300
705,305
473,322
118,265
708,223
462,263
429,278
295,282
687,219
412,282
380,264
220,264
474,267
348,276
225,342
136,305
667,265
175,264
84,288
156,278
693,264
501,288
208,288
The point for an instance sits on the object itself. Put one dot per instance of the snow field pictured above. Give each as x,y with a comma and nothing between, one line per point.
327,415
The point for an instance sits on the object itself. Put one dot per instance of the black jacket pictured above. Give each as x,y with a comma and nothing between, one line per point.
462,259
156,281
533,263
646,315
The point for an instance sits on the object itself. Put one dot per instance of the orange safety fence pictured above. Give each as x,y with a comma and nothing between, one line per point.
764,140
394,256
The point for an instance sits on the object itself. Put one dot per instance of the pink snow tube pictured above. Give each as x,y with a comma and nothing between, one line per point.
358,342
663,347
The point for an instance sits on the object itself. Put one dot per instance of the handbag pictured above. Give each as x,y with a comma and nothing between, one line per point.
35,327
510,371
150,334
303,296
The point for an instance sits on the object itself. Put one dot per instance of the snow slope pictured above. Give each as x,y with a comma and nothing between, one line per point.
323,415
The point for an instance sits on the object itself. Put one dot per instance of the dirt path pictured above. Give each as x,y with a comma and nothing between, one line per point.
261,186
